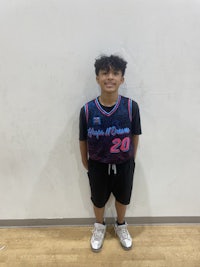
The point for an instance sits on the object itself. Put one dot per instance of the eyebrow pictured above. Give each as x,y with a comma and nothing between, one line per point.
110,68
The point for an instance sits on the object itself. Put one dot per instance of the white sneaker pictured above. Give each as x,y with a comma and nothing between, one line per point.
97,239
124,236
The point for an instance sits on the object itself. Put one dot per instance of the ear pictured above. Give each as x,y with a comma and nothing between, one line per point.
122,79
97,79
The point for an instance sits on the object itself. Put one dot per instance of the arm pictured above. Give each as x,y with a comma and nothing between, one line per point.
83,138
136,127
135,144
84,153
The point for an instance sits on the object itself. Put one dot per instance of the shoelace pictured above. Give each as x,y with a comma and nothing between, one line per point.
97,233
124,233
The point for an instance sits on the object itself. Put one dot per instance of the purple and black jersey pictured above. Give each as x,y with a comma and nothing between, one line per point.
109,133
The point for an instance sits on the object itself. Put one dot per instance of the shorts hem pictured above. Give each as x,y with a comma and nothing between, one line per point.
99,206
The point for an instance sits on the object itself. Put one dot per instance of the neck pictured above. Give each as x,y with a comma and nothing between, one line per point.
108,100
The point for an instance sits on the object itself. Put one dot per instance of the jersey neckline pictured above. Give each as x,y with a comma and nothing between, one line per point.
115,107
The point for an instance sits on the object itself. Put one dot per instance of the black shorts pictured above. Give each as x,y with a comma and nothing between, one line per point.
110,178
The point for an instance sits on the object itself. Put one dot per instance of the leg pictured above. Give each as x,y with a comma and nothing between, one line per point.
99,214
121,226
99,230
121,211
100,191
123,188
122,193
99,194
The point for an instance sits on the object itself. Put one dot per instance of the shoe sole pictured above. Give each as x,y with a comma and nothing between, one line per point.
125,248
96,250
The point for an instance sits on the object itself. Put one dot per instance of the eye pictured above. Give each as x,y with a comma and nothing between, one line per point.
116,73
104,72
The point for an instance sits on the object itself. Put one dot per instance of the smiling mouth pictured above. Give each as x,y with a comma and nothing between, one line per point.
109,84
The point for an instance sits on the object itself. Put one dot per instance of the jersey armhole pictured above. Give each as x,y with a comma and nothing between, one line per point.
130,103
86,112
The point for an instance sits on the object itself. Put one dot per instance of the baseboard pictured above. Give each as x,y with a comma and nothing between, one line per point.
90,221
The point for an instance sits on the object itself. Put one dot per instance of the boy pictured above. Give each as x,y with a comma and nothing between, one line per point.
109,135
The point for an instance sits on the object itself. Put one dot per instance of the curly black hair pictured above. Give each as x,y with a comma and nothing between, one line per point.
110,62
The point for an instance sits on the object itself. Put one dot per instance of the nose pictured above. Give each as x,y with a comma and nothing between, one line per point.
110,75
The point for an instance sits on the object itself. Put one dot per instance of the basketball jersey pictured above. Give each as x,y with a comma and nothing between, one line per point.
109,134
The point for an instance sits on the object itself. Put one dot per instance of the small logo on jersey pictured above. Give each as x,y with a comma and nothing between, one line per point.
96,121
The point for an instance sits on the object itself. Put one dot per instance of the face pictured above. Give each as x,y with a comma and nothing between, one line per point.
110,81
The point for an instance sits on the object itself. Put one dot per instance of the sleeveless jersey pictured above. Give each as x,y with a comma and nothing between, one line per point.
109,134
